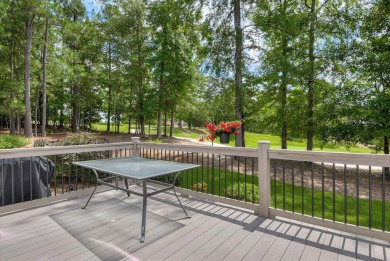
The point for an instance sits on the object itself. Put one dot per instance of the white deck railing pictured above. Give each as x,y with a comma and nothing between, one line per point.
261,161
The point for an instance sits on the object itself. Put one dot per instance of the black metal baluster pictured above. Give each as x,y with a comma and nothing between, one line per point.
303,188
76,186
345,193
293,187
197,172
31,196
370,197
253,180
238,176
62,172
39,177
47,176
208,164
21,178
383,199
219,174
284,184
323,190
70,172
334,191
212,175
2,183
231,174
13,181
82,173
55,175
245,178
187,170
312,189
357,196
275,183
192,171
225,175
202,172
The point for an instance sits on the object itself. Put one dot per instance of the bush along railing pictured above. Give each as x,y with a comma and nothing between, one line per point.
28,174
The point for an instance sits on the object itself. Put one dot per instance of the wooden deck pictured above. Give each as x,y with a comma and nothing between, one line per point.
110,226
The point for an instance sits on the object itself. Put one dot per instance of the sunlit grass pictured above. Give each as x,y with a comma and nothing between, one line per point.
219,181
251,139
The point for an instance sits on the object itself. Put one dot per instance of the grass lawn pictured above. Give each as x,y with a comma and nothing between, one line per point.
13,141
251,139
223,180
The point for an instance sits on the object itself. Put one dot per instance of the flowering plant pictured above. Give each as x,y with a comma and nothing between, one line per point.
216,130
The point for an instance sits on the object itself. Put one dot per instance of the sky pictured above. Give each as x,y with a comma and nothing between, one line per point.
91,5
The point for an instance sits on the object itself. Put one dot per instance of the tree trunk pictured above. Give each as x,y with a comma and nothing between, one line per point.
75,109
180,124
12,71
140,81
161,85
44,120
27,114
109,88
172,124
36,112
129,125
238,71
118,123
283,88
311,76
61,119
159,116
19,123
283,85
165,121
76,92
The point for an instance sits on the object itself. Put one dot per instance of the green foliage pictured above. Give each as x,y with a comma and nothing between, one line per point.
12,141
243,192
81,138
200,187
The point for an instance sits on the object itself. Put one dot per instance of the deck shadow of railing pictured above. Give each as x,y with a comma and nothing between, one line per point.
256,225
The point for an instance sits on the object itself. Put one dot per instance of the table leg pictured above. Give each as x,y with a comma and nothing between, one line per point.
145,196
174,191
127,186
93,192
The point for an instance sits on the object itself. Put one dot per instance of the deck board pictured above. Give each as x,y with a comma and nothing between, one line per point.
107,230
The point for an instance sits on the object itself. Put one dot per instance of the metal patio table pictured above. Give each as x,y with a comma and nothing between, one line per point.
136,168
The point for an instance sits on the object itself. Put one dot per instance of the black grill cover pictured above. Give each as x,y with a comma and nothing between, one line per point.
24,179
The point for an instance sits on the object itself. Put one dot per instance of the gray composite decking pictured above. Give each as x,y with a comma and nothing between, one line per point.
110,226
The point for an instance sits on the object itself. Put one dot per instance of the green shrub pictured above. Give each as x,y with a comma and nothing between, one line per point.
232,192
201,186
81,138
12,141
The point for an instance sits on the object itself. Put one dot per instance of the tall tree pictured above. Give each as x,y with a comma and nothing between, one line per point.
44,74
311,73
30,14
279,21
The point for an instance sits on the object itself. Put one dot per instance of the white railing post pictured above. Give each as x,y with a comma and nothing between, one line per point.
264,178
135,140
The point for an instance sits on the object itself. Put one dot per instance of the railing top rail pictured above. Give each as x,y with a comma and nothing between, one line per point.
57,150
379,160
229,151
